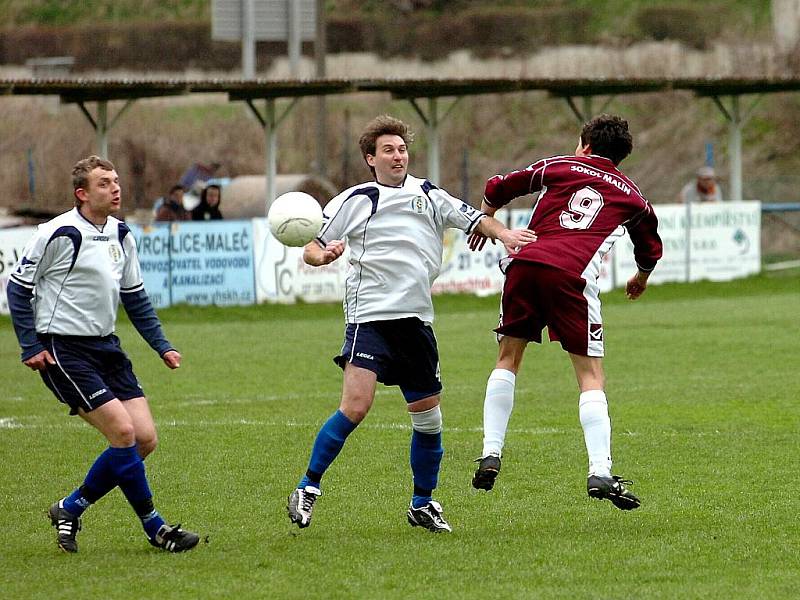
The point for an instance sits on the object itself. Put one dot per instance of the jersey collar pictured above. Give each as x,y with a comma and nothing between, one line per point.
96,226
397,187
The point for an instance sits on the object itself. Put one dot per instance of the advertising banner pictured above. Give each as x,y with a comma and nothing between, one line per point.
464,271
723,243
282,276
12,241
239,262
200,263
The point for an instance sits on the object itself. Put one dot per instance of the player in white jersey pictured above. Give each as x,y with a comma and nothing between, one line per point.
394,226
63,296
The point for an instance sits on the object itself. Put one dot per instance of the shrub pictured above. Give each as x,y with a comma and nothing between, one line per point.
692,25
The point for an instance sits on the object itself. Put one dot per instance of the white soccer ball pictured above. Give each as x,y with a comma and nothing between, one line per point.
295,218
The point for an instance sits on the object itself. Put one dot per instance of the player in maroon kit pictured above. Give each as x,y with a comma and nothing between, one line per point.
585,205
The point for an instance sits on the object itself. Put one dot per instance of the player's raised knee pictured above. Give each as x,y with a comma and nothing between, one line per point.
146,444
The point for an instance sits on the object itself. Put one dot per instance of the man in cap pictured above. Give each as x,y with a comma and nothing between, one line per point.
703,189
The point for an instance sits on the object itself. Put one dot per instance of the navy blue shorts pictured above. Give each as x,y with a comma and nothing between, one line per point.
89,371
400,352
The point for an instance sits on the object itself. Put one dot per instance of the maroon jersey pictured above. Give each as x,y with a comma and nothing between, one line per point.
586,204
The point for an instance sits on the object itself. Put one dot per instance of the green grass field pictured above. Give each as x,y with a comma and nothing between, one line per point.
703,389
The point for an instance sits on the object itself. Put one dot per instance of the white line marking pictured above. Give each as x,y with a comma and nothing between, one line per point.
15,423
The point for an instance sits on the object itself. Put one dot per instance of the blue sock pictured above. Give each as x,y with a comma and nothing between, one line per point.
420,501
98,482
426,456
76,503
151,522
329,442
129,469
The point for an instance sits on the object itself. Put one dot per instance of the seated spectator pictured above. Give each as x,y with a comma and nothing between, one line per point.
208,209
172,209
703,189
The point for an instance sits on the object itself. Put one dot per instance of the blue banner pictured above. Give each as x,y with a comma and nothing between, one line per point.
198,263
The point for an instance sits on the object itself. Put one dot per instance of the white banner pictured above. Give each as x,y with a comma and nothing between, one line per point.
282,276
12,242
466,271
724,243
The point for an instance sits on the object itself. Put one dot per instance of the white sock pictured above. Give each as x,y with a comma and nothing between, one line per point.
497,406
596,431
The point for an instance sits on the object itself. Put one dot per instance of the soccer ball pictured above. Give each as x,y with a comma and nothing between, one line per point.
295,218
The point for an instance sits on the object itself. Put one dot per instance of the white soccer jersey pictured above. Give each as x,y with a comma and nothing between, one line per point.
395,238
76,270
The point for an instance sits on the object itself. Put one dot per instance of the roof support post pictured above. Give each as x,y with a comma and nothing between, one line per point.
101,125
432,121
101,131
735,148
583,113
736,121
433,141
586,112
270,121
587,107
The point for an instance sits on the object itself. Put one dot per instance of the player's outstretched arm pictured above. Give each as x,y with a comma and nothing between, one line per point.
512,239
476,240
316,255
636,285
143,316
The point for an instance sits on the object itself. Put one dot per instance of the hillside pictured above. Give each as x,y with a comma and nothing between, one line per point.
613,18
175,34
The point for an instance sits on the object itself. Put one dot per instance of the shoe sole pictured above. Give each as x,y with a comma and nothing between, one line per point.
299,522
413,523
484,479
621,502
191,545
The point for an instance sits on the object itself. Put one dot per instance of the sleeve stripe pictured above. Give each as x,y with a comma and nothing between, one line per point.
474,222
27,286
130,290
538,171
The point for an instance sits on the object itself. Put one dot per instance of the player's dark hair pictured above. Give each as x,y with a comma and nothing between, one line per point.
608,136
382,125
82,168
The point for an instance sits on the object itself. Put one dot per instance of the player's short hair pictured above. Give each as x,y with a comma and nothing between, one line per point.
382,125
608,136
82,168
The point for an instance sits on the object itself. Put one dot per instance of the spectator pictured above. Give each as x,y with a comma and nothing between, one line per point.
208,209
703,189
172,209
